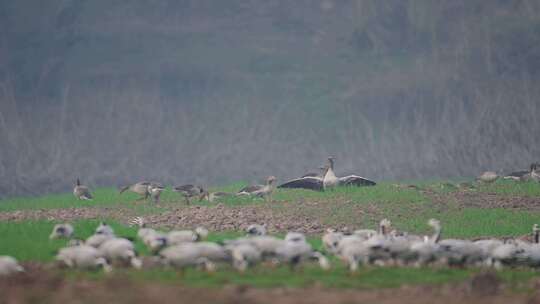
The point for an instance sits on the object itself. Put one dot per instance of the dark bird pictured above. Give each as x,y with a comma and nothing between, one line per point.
189,191
532,174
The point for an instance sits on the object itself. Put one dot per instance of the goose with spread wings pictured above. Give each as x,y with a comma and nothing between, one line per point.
329,180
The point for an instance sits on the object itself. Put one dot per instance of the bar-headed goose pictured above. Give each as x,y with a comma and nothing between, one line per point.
81,192
264,191
189,191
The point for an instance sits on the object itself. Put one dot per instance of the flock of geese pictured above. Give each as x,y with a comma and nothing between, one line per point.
180,249
382,247
322,181
533,174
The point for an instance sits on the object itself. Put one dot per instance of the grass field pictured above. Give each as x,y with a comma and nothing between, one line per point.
407,207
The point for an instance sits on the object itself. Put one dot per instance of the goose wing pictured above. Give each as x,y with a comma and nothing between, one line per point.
355,180
309,182
184,188
310,174
156,185
518,174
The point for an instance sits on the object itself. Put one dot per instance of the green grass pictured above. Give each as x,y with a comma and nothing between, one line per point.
512,188
103,197
407,208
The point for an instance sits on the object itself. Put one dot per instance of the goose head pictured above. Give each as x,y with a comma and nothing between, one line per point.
270,180
331,162
435,224
384,226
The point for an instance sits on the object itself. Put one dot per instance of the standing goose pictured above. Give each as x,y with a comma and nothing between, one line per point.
189,191
327,181
81,192
535,172
154,190
264,191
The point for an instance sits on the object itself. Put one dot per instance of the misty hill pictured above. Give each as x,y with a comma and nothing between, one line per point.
220,91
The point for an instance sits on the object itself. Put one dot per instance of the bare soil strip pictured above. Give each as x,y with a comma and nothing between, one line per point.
303,216
47,286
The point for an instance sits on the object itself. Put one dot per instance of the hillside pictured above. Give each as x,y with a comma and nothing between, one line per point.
217,91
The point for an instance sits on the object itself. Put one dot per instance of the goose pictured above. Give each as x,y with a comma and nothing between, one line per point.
295,250
96,240
244,255
103,228
154,191
81,192
141,188
530,255
214,196
535,172
189,191
264,191
256,230
120,250
331,239
460,252
182,256
266,244
355,250
153,239
524,175
488,177
82,257
9,266
61,231
428,250
329,180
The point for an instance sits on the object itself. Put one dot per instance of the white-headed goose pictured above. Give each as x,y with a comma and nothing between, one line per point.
189,191
264,191
327,181
81,192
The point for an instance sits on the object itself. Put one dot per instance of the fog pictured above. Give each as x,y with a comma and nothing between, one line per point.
216,92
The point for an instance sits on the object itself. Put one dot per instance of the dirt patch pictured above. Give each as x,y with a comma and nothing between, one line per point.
40,285
306,217
474,199
67,214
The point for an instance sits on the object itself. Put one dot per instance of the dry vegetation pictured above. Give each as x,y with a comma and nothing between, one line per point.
202,92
